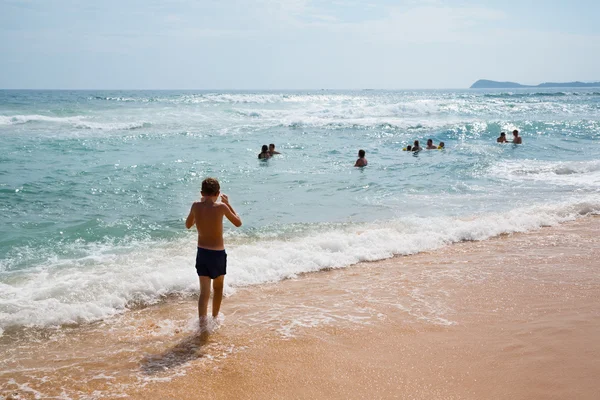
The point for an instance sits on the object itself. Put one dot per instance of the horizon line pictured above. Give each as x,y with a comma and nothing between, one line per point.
237,89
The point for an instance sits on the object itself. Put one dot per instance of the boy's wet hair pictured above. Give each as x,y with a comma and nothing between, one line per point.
210,187
409,147
272,145
265,148
361,153
502,133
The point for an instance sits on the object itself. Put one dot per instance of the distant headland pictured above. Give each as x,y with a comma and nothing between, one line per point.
487,84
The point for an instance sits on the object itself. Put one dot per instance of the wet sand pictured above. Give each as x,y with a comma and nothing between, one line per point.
514,317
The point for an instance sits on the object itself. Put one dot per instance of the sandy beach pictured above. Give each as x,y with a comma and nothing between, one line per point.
513,317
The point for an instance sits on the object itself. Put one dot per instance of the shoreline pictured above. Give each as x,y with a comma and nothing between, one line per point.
513,316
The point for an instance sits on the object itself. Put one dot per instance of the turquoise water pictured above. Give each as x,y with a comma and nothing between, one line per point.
95,185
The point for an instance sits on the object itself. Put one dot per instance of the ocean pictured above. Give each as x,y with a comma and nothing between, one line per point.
95,186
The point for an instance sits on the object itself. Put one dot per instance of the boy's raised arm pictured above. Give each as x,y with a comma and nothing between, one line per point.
230,212
189,222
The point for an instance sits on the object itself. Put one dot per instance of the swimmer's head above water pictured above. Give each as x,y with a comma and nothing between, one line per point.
430,145
362,161
264,154
272,149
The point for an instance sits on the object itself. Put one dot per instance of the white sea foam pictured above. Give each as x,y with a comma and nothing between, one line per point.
401,113
326,97
404,115
23,119
271,98
112,126
79,122
342,247
568,173
330,111
109,279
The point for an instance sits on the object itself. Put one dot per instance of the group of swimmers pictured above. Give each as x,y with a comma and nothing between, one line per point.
362,161
267,152
430,146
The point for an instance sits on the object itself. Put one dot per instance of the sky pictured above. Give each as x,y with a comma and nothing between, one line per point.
295,44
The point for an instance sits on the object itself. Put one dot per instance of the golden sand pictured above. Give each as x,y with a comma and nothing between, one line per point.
515,317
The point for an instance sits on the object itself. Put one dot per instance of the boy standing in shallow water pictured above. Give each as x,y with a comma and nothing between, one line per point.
211,259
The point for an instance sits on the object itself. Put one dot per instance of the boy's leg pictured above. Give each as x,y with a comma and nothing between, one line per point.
203,299
217,294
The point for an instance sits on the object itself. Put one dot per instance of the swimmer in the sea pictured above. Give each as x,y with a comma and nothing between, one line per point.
416,146
502,138
407,148
211,259
430,145
264,154
362,161
441,146
516,138
272,150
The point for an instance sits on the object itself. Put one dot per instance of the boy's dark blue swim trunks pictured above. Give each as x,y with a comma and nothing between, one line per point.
211,263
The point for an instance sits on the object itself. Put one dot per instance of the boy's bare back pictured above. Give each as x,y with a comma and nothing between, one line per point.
208,215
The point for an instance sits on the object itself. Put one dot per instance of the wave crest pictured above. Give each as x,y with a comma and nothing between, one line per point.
78,122
110,279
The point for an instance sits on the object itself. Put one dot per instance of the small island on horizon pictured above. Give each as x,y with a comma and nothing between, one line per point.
488,84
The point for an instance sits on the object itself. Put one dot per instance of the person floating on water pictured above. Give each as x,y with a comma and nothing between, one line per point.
272,151
211,259
264,154
441,146
430,145
407,148
362,161
502,138
516,138
416,146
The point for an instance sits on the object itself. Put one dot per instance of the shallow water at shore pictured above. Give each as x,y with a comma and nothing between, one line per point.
515,316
